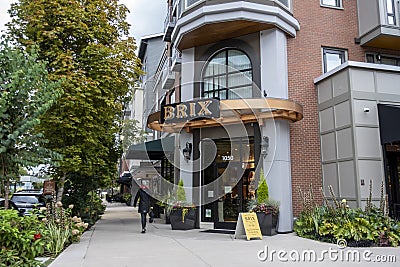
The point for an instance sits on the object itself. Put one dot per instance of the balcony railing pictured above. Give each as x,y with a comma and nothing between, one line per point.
168,76
379,23
184,5
176,60
169,24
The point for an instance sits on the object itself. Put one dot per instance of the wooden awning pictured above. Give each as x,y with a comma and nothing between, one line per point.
235,111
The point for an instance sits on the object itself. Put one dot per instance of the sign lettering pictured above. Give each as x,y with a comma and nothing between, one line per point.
192,110
248,224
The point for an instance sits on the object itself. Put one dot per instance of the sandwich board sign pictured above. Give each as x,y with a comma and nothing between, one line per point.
247,224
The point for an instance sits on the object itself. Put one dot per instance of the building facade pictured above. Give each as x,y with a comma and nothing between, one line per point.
277,85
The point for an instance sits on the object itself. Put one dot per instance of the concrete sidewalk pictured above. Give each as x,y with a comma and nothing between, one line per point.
116,241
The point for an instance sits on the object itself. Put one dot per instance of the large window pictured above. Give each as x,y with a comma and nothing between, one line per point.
228,75
333,57
331,3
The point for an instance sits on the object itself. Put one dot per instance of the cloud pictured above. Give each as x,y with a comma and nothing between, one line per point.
4,17
146,17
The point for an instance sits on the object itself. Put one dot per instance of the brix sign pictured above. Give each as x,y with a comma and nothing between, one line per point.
191,110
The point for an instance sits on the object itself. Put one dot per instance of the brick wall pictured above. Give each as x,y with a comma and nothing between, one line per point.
319,26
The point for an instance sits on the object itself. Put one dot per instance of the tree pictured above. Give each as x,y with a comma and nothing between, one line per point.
25,95
131,134
181,194
262,190
85,42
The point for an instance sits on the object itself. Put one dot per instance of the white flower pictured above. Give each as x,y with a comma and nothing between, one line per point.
71,206
344,200
59,204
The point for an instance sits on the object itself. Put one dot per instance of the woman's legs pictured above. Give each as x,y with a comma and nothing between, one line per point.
143,217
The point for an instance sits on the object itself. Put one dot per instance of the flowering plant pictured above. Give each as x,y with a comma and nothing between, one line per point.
268,206
262,203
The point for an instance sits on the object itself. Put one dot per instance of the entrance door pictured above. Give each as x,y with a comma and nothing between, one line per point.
393,179
233,174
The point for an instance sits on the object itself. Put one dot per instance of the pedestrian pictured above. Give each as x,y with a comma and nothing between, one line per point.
144,204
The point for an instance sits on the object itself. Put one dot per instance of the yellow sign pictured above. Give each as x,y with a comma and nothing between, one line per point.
248,224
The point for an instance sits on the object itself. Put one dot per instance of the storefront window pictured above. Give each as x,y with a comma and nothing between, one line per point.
228,75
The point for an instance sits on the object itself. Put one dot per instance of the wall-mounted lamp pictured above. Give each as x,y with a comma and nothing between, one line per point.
264,146
187,151
366,109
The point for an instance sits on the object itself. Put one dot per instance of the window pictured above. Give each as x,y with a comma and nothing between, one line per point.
383,59
332,58
390,12
228,75
191,2
331,3
285,3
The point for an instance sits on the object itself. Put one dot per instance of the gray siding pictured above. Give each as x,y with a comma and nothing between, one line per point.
351,150
368,15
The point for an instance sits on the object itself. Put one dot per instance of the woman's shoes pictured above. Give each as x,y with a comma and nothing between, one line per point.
143,231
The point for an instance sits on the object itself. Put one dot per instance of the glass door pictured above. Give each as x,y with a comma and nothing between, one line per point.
233,174
393,178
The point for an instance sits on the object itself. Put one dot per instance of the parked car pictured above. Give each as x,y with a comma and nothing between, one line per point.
29,200
11,205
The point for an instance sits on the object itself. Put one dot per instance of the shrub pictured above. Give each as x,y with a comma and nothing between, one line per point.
330,223
262,190
181,194
89,207
61,228
21,239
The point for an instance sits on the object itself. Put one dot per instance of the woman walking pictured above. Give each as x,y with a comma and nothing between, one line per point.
144,204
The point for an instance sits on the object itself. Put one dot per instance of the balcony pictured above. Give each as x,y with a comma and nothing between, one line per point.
168,76
169,24
176,61
202,22
379,23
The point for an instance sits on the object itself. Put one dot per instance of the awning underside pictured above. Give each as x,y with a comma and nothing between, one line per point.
234,112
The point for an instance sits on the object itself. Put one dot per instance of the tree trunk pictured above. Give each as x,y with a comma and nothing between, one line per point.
6,183
60,190
7,194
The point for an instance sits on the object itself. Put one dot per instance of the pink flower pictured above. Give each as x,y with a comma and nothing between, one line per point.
37,236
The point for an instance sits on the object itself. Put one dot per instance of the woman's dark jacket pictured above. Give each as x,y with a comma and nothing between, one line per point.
145,201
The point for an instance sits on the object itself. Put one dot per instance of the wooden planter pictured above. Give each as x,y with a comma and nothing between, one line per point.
189,220
268,223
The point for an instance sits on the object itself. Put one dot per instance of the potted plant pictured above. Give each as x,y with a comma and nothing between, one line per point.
181,214
267,209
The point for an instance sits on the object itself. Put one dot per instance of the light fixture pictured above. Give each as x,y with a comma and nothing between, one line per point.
264,146
187,151
366,109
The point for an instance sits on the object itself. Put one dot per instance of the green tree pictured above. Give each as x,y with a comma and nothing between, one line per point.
262,190
85,42
25,95
131,134
181,195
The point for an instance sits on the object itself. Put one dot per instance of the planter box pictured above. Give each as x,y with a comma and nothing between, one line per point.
268,223
188,223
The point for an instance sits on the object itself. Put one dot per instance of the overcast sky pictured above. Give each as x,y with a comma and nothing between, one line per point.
146,16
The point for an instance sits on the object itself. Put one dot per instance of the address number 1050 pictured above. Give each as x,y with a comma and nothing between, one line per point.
227,158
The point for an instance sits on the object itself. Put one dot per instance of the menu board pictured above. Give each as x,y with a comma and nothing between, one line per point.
247,223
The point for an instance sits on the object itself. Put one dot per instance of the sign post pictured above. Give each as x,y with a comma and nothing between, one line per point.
248,224
49,186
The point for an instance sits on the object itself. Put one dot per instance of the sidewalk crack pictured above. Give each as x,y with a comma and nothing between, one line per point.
192,252
87,247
